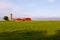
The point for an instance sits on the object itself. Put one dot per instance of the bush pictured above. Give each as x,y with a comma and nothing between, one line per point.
6,18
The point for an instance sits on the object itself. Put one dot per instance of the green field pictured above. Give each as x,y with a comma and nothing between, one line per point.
30,30
49,26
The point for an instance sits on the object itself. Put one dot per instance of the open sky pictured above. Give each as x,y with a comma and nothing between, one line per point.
30,8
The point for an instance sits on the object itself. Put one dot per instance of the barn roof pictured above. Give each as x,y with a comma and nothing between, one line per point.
27,18
18,19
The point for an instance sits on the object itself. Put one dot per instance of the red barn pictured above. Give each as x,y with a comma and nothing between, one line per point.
18,19
27,19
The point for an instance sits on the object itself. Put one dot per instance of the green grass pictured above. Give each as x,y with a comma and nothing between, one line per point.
29,30
49,26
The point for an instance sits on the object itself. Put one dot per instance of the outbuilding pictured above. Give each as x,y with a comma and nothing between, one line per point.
18,19
27,19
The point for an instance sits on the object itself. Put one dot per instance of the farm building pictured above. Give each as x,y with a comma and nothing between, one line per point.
27,19
18,19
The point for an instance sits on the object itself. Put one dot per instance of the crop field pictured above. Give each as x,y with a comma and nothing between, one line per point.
30,26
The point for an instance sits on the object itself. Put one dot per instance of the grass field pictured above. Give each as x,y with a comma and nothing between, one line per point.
50,26
11,30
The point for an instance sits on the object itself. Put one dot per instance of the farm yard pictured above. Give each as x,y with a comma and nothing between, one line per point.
20,30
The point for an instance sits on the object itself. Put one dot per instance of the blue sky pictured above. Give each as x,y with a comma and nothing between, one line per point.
30,8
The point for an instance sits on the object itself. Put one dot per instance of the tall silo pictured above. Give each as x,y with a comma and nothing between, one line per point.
11,17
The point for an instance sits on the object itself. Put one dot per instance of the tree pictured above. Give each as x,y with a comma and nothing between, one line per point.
6,18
